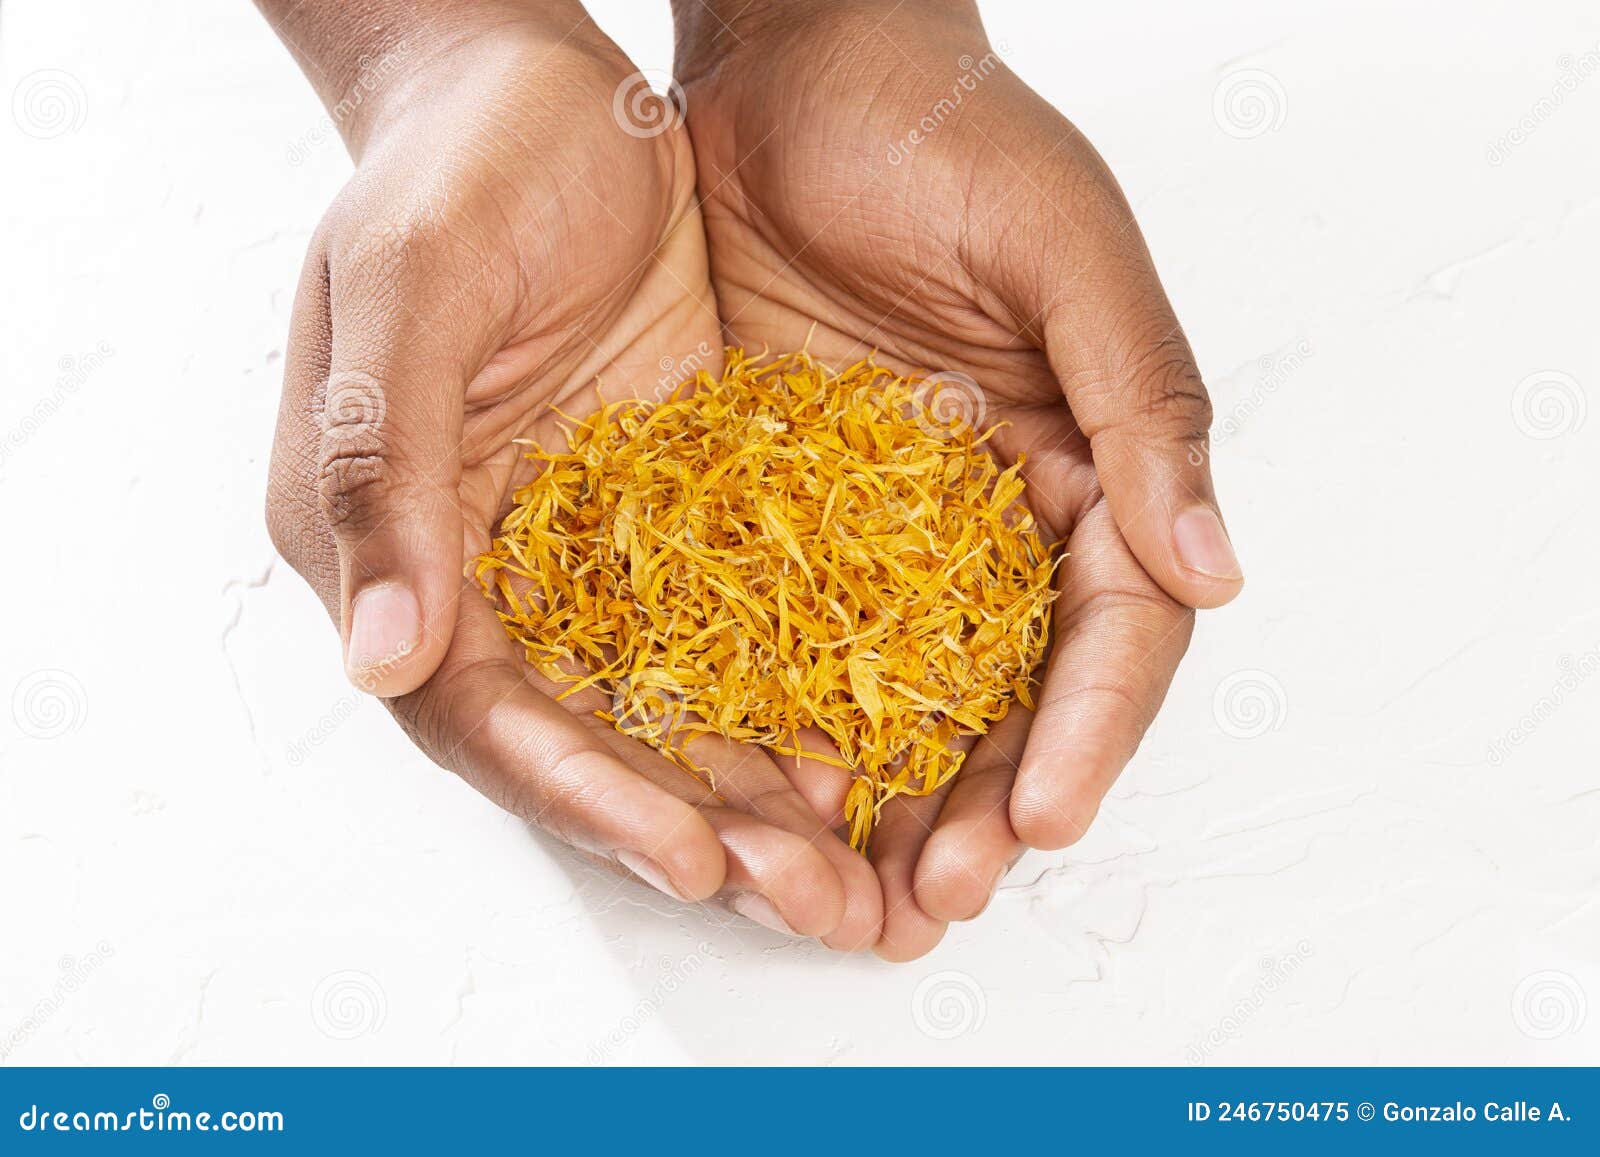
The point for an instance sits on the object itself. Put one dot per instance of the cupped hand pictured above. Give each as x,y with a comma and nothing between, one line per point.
876,169
521,226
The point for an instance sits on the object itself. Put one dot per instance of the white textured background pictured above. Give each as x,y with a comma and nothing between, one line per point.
1363,830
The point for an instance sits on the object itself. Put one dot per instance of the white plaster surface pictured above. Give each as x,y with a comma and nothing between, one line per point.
211,850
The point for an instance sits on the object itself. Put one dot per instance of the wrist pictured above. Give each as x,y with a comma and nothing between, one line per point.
707,31
368,59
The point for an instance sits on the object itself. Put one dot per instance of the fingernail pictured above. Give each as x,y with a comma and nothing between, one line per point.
755,906
385,626
1203,545
650,872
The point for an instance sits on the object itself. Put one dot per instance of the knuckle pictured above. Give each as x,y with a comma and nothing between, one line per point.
1151,616
376,240
1111,699
1127,605
1169,390
351,483
353,468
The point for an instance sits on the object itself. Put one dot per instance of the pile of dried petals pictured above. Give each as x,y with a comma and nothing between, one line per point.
784,548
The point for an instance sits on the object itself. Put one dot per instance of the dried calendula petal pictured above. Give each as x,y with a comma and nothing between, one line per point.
781,548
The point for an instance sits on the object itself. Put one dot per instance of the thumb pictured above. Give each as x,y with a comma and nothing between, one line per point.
1131,380
388,483
1082,269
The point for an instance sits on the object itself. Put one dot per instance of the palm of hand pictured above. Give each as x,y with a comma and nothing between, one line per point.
909,253
533,260
577,250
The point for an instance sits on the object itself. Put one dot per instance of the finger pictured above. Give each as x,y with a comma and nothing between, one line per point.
778,879
1126,369
751,782
794,877
897,841
786,871
1119,638
820,774
389,464
972,845
774,878
779,872
479,717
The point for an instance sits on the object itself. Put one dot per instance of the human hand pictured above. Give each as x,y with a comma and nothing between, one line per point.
507,240
875,168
